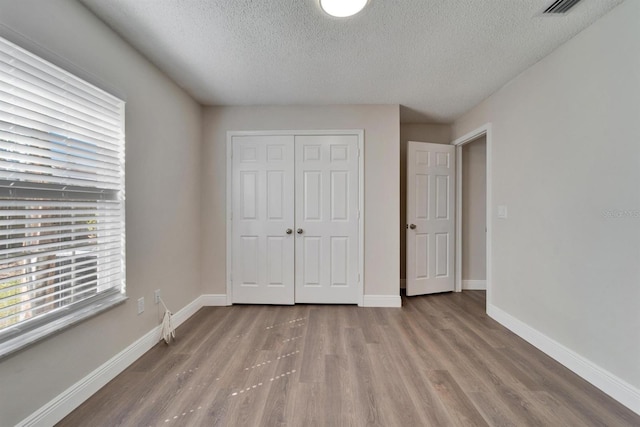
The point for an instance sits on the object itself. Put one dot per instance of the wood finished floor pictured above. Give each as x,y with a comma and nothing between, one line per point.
438,361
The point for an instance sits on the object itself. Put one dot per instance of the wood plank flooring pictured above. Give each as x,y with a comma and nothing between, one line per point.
438,361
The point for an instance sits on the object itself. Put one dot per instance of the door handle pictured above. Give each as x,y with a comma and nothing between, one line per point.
289,231
412,226
299,231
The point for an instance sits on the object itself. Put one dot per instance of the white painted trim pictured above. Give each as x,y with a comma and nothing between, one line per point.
214,300
459,142
229,217
474,285
361,219
359,133
382,301
458,260
610,384
63,404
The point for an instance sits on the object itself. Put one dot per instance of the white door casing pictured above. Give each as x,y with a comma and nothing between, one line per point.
326,219
430,218
263,207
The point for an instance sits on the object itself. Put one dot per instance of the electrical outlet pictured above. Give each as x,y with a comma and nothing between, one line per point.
140,305
156,296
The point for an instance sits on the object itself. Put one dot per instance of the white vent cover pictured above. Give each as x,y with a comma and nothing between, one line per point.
560,7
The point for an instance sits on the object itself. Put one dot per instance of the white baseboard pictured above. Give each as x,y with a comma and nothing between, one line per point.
214,300
474,285
382,301
615,387
63,404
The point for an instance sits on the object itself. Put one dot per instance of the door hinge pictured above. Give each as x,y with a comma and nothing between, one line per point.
358,277
358,152
358,213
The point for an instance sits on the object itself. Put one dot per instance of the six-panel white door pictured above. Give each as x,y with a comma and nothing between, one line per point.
263,219
326,219
430,218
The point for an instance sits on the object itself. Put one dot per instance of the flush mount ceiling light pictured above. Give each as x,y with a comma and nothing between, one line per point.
342,8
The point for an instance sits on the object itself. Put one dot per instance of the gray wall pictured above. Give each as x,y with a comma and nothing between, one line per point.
163,142
421,132
474,210
381,181
566,154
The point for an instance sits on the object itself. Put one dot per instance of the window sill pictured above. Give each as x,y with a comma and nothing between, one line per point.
24,338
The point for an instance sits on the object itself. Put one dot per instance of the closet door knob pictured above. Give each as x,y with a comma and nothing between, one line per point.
299,231
412,226
289,231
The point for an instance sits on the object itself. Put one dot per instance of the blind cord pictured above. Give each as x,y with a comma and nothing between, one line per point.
168,331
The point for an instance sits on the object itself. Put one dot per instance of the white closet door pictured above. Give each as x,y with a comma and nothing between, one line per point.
263,209
326,219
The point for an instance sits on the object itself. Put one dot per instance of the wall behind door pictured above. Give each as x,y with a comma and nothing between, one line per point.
381,124
421,132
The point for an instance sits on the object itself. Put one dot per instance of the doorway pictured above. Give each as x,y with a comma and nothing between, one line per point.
486,133
473,209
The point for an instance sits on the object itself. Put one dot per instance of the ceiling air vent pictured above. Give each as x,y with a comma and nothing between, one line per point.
559,7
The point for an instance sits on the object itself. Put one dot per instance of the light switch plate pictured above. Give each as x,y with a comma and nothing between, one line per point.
502,211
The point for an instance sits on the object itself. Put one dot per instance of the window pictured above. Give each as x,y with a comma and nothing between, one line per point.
62,231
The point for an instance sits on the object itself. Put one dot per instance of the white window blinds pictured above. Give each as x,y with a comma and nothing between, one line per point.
62,233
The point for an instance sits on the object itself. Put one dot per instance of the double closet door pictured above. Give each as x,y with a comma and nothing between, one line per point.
295,219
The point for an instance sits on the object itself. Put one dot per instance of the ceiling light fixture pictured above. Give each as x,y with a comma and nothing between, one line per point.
342,8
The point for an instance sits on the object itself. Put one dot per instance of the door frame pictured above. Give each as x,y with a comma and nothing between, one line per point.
229,241
484,130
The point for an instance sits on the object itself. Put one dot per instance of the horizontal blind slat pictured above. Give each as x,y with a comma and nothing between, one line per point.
86,235
26,153
113,246
29,177
61,246
23,64
25,212
9,273
48,119
26,81
38,165
29,103
115,217
49,141
37,98
88,287
27,118
78,274
63,206
15,52
102,225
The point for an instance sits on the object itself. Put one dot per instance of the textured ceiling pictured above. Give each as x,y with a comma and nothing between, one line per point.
436,58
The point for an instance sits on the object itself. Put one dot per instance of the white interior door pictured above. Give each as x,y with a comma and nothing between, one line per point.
327,219
430,218
263,219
